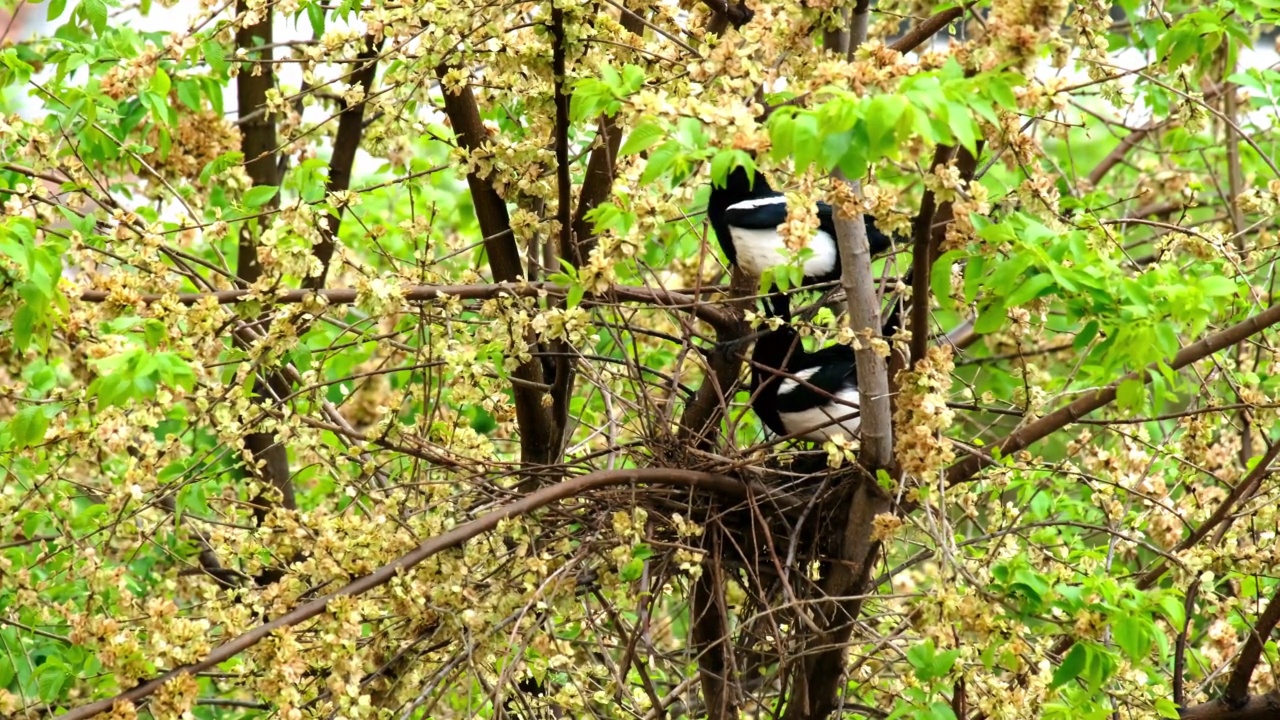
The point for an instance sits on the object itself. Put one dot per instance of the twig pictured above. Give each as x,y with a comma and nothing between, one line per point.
927,29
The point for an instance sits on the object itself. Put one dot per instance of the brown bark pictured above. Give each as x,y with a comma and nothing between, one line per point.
269,459
539,443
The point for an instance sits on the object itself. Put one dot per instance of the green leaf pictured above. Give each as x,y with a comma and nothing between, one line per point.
782,130
642,138
725,161
56,8
1086,335
315,16
1130,394
50,677
990,319
215,55
1174,610
1167,708
1218,286
95,12
973,277
1072,665
632,570
221,164
1133,635
806,143
29,424
940,275
260,195
660,161
632,78
1032,288
24,324
574,296
939,710
962,124
921,658
882,116
160,82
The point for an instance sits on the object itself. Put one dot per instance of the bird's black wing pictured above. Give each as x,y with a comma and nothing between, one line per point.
878,241
837,371
759,217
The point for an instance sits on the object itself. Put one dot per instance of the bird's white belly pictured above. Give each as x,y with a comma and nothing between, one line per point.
825,416
761,250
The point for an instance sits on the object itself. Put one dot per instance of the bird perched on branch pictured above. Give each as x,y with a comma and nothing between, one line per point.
811,395
745,213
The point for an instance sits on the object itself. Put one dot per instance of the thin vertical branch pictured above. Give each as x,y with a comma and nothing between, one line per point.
922,257
1180,648
562,384
1235,183
345,144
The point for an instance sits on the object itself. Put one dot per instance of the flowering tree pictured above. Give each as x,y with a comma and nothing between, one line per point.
387,371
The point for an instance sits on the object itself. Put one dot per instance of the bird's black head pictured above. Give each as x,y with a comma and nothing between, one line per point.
774,348
741,184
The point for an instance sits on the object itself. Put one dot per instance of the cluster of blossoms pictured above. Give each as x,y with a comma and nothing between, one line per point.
921,415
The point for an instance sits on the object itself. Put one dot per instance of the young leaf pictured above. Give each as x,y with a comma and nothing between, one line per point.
1072,665
642,138
260,195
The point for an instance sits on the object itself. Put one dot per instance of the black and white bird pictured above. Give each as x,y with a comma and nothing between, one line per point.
796,391
746,213
811,395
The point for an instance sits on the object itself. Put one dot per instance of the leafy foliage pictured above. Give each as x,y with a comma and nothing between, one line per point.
251,357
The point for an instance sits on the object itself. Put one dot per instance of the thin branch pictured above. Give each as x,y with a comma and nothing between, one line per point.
270,459
1237,694
1041,428
1180,648
562,384
712,315
345,144
570,488
922,261
925,31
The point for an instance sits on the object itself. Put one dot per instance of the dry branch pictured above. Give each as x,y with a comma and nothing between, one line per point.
1256,707
927,29
345,144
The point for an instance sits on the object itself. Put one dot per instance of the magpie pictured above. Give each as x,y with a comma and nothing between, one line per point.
814,394
745,214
